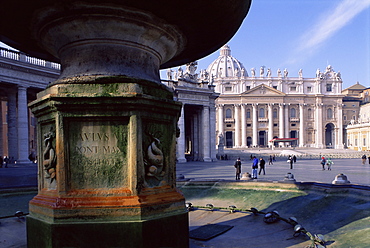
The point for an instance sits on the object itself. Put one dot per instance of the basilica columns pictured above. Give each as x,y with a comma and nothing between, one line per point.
237,125
340,128
281,121
301,126
319,127
254,125
270,123
244,127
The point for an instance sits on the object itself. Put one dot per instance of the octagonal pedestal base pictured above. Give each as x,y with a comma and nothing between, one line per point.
169,231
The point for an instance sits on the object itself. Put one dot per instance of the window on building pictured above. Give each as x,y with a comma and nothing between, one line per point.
228,88
354,117
329,113
228,113
293,88
248,87
275,124
309,89
355,142
228,125
293,113
248,113
329,88
275,87
275,114
344,117
262,113
293,125
249,125
364,142
309,113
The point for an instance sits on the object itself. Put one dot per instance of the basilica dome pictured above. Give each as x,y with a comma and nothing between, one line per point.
226,65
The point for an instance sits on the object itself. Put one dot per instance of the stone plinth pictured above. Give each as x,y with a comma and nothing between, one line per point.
107,156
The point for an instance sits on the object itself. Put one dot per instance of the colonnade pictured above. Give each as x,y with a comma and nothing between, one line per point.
202,129
17,124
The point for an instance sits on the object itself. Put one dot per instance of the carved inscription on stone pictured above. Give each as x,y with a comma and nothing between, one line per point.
98,154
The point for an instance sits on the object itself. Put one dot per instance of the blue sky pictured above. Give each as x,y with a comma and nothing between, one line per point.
304,34
307,34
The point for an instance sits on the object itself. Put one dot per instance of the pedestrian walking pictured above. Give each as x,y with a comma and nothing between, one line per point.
262,166
254,167
270,160
369,159
273,158
364,159
294,159
238,169
290,161
323,162
2,161
329,163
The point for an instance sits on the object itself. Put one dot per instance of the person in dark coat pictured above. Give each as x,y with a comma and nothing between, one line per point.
262,166
238,167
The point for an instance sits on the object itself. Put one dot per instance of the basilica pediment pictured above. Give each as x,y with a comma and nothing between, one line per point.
265,90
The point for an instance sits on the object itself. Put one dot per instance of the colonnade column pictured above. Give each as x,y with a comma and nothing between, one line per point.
319,129
181,139
237,125
340,128
23,140
254,125
244,127
281,121
206,135
220,110
212,129
301,125
271,124
12,125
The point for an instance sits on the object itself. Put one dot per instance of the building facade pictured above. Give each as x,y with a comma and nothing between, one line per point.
255,108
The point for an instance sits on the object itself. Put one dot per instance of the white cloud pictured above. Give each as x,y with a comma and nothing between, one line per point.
330,23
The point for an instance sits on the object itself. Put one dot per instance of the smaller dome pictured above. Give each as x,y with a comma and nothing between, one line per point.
226,65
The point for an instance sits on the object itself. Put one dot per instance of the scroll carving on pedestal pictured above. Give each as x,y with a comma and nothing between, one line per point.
49,156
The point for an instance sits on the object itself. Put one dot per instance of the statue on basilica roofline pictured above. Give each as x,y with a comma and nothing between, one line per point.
190,71
253,72
300,73
262,71
279,73
285,73
268,72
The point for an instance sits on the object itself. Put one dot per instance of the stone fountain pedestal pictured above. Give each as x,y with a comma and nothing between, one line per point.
107,127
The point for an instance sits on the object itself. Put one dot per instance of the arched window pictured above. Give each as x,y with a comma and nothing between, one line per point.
275,114
292,113
330,113
228,113
261,113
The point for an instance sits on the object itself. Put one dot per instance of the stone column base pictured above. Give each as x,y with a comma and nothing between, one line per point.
168,231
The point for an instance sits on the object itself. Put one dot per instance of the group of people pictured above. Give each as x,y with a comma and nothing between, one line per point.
257,163
328,162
